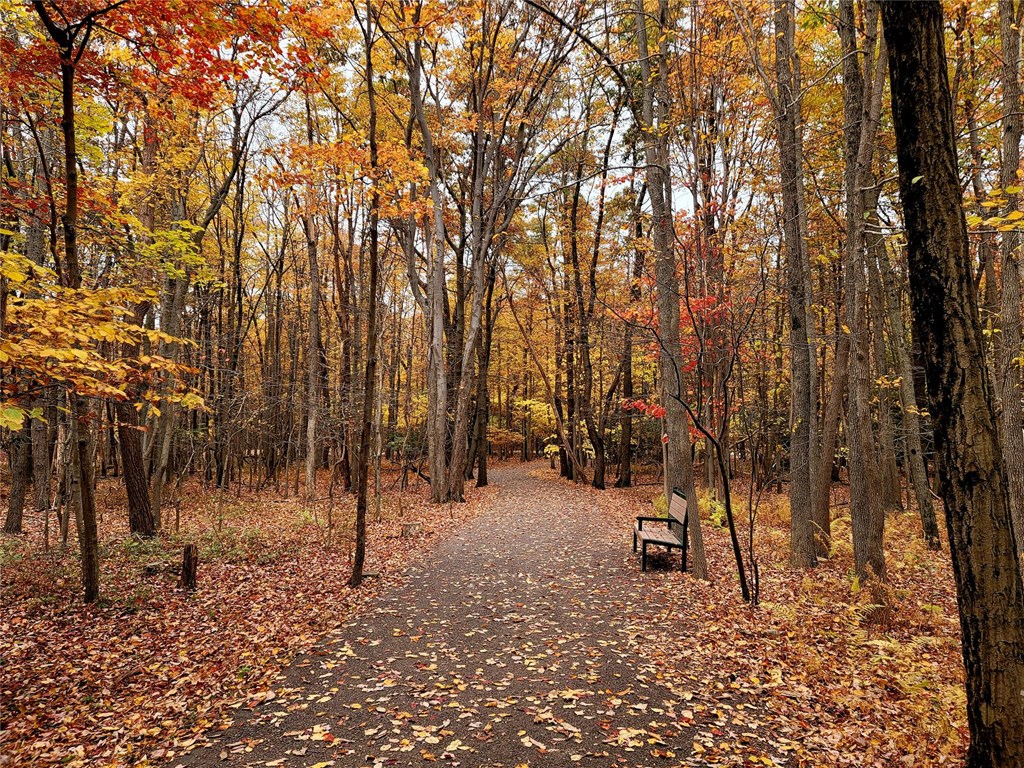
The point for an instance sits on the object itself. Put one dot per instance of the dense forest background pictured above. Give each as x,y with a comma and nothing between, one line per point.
302,249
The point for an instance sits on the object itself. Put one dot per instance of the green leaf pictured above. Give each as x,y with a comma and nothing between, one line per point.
12,418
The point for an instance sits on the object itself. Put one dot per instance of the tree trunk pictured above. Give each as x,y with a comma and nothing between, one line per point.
43,433
71,276
482,390
88,534
140,514
1012,416
189,566
625,478
314,375
21,450
829,423
370,371
802,546
432,300
678,458
862,96
891,497
914,453
625,468
972,475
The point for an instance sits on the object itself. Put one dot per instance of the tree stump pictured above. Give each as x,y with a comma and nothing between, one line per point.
189,563
410,529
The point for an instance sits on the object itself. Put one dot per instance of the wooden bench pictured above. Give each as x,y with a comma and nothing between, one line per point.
673,536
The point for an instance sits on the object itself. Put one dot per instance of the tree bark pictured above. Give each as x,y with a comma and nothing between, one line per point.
1012,416
21,449
802,535
140,513
482,389
370,370
678,459
71,277
891,497
625,471
314,358
43,434
972,475
862,96
189,566
912,426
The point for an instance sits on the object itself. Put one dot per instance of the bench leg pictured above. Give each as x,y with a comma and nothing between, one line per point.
643,557
634,541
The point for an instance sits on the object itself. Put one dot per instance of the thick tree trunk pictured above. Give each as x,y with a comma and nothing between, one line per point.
21,453
43,433
140,513
972,474
189,567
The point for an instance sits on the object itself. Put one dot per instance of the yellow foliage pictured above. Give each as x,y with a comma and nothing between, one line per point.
54,335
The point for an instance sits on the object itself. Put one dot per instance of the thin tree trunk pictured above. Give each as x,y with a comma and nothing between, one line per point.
678,458
802,546
862,95
71,276
822,480
314,375
370,371
885,452
625,468
1012,416
914,453
314,359
625,478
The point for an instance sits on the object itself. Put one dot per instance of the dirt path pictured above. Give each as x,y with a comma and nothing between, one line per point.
510,645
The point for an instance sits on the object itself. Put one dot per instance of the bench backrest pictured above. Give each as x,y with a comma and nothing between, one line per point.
677,510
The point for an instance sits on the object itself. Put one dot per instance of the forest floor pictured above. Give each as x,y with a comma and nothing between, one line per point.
520,634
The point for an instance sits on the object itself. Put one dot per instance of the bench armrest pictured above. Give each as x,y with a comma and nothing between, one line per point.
641,519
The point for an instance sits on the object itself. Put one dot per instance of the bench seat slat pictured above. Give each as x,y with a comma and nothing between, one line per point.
659,536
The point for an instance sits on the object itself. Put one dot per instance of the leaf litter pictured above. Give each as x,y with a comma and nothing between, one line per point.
148,672
528,636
